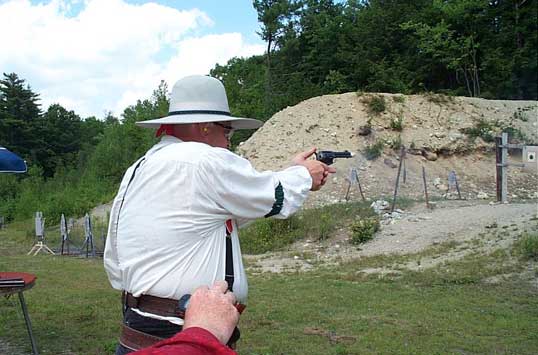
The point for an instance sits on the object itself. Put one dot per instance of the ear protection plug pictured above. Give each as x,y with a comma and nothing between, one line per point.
205,130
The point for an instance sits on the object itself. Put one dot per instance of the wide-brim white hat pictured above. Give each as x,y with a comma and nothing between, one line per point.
199,99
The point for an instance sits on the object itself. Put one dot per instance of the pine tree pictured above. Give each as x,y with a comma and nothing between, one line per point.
19,111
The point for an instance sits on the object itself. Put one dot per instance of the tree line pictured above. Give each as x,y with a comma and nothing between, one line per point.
480,48
313,47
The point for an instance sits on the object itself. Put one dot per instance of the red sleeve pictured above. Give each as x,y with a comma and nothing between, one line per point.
192,341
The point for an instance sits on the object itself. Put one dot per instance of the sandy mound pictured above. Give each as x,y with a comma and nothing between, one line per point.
432,132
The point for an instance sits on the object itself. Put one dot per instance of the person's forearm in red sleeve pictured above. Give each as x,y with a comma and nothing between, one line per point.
192,341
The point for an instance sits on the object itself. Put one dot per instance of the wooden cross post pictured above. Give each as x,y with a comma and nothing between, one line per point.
402,155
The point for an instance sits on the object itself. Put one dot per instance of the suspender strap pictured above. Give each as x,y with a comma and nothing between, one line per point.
131,180
229,272
127,188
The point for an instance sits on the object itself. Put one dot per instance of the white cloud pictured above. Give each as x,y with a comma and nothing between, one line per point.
193,56
199,55
109,53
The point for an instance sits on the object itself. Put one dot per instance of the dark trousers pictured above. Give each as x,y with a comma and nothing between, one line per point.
156,327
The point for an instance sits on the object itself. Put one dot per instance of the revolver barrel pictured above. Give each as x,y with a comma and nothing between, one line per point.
328,156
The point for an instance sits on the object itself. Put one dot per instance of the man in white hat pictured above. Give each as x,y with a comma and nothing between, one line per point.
173,224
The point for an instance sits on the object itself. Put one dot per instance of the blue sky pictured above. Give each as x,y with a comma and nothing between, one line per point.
94,56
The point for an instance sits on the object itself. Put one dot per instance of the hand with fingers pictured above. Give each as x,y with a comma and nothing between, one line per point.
213,308
318,171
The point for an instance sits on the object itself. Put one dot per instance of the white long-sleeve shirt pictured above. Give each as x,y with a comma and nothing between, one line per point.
169,237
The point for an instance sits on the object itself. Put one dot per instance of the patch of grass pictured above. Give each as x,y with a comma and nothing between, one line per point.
441,313
260,236
399,99
395,143
515,134
521,113
72,306
317,224
527,246
472,269
444,310
376,104
482,129
364,230
438,98
373,151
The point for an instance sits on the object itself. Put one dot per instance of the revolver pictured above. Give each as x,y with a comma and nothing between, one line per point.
328,156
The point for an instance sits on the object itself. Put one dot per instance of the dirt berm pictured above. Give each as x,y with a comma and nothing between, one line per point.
432,128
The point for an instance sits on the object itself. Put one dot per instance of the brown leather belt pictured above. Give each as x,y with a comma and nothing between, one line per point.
165,307
136,340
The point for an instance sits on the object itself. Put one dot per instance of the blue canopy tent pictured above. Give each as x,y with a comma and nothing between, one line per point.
10,162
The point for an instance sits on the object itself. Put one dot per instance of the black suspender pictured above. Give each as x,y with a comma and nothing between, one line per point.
229,272
125,193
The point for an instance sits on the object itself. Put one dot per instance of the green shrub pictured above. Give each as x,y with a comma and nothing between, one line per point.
376,104
373,151
364,230
527,246
396,124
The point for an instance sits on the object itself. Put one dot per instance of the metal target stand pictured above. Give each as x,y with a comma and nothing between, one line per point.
40,235
88,241
64,234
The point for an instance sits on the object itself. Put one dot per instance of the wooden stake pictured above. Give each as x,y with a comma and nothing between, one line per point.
404,171
347,191
425,187
402,152
360,188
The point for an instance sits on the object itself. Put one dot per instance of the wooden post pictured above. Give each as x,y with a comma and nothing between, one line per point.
360,187
402,152
425,187
404,172
347,191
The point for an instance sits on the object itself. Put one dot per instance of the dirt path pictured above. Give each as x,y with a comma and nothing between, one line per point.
417,230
